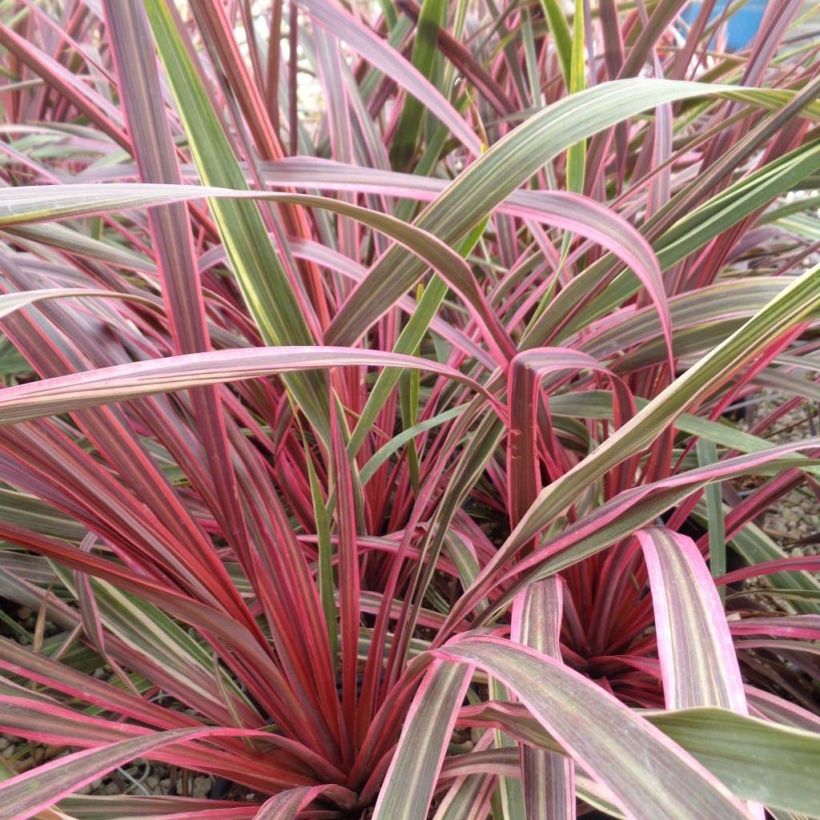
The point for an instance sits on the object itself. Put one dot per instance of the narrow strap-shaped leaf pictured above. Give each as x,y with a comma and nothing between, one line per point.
108,384
508,798
576,154
179,808
410,780
698,660
349,579
74,241
26,794
549,777
42,721
90,616
408,434
267,290
462,58
524,376
496,174
662,15
154,151
797,562
433,15
760,761
648,774
561,35
325,576
61,677
470,794
94,105
218,35
330,15
9,302
289,804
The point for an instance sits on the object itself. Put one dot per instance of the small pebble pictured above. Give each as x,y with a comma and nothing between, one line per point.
202,785
794,516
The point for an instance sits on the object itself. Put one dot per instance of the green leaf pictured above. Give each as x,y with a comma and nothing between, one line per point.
407,435
758,760
648,774
496,174
559,28
266,288
425,48
325,579
410,780
576,154
698,661
707,454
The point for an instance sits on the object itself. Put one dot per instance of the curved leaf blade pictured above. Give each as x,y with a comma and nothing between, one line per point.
698,661
410,780
496,174
27,794
128,381
648,774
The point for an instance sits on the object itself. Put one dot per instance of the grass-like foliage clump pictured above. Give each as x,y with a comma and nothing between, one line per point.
372,433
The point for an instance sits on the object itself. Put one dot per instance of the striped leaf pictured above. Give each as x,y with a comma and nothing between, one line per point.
269,293
497,173
647,773
128,381
548,777
27,794
9,302
698,660
410,780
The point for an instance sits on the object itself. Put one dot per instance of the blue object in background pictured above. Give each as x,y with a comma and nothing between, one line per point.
742,25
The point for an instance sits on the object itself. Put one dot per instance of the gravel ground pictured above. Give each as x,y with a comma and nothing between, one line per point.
794,522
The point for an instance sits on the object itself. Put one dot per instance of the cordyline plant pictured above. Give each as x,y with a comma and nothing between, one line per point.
364,439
